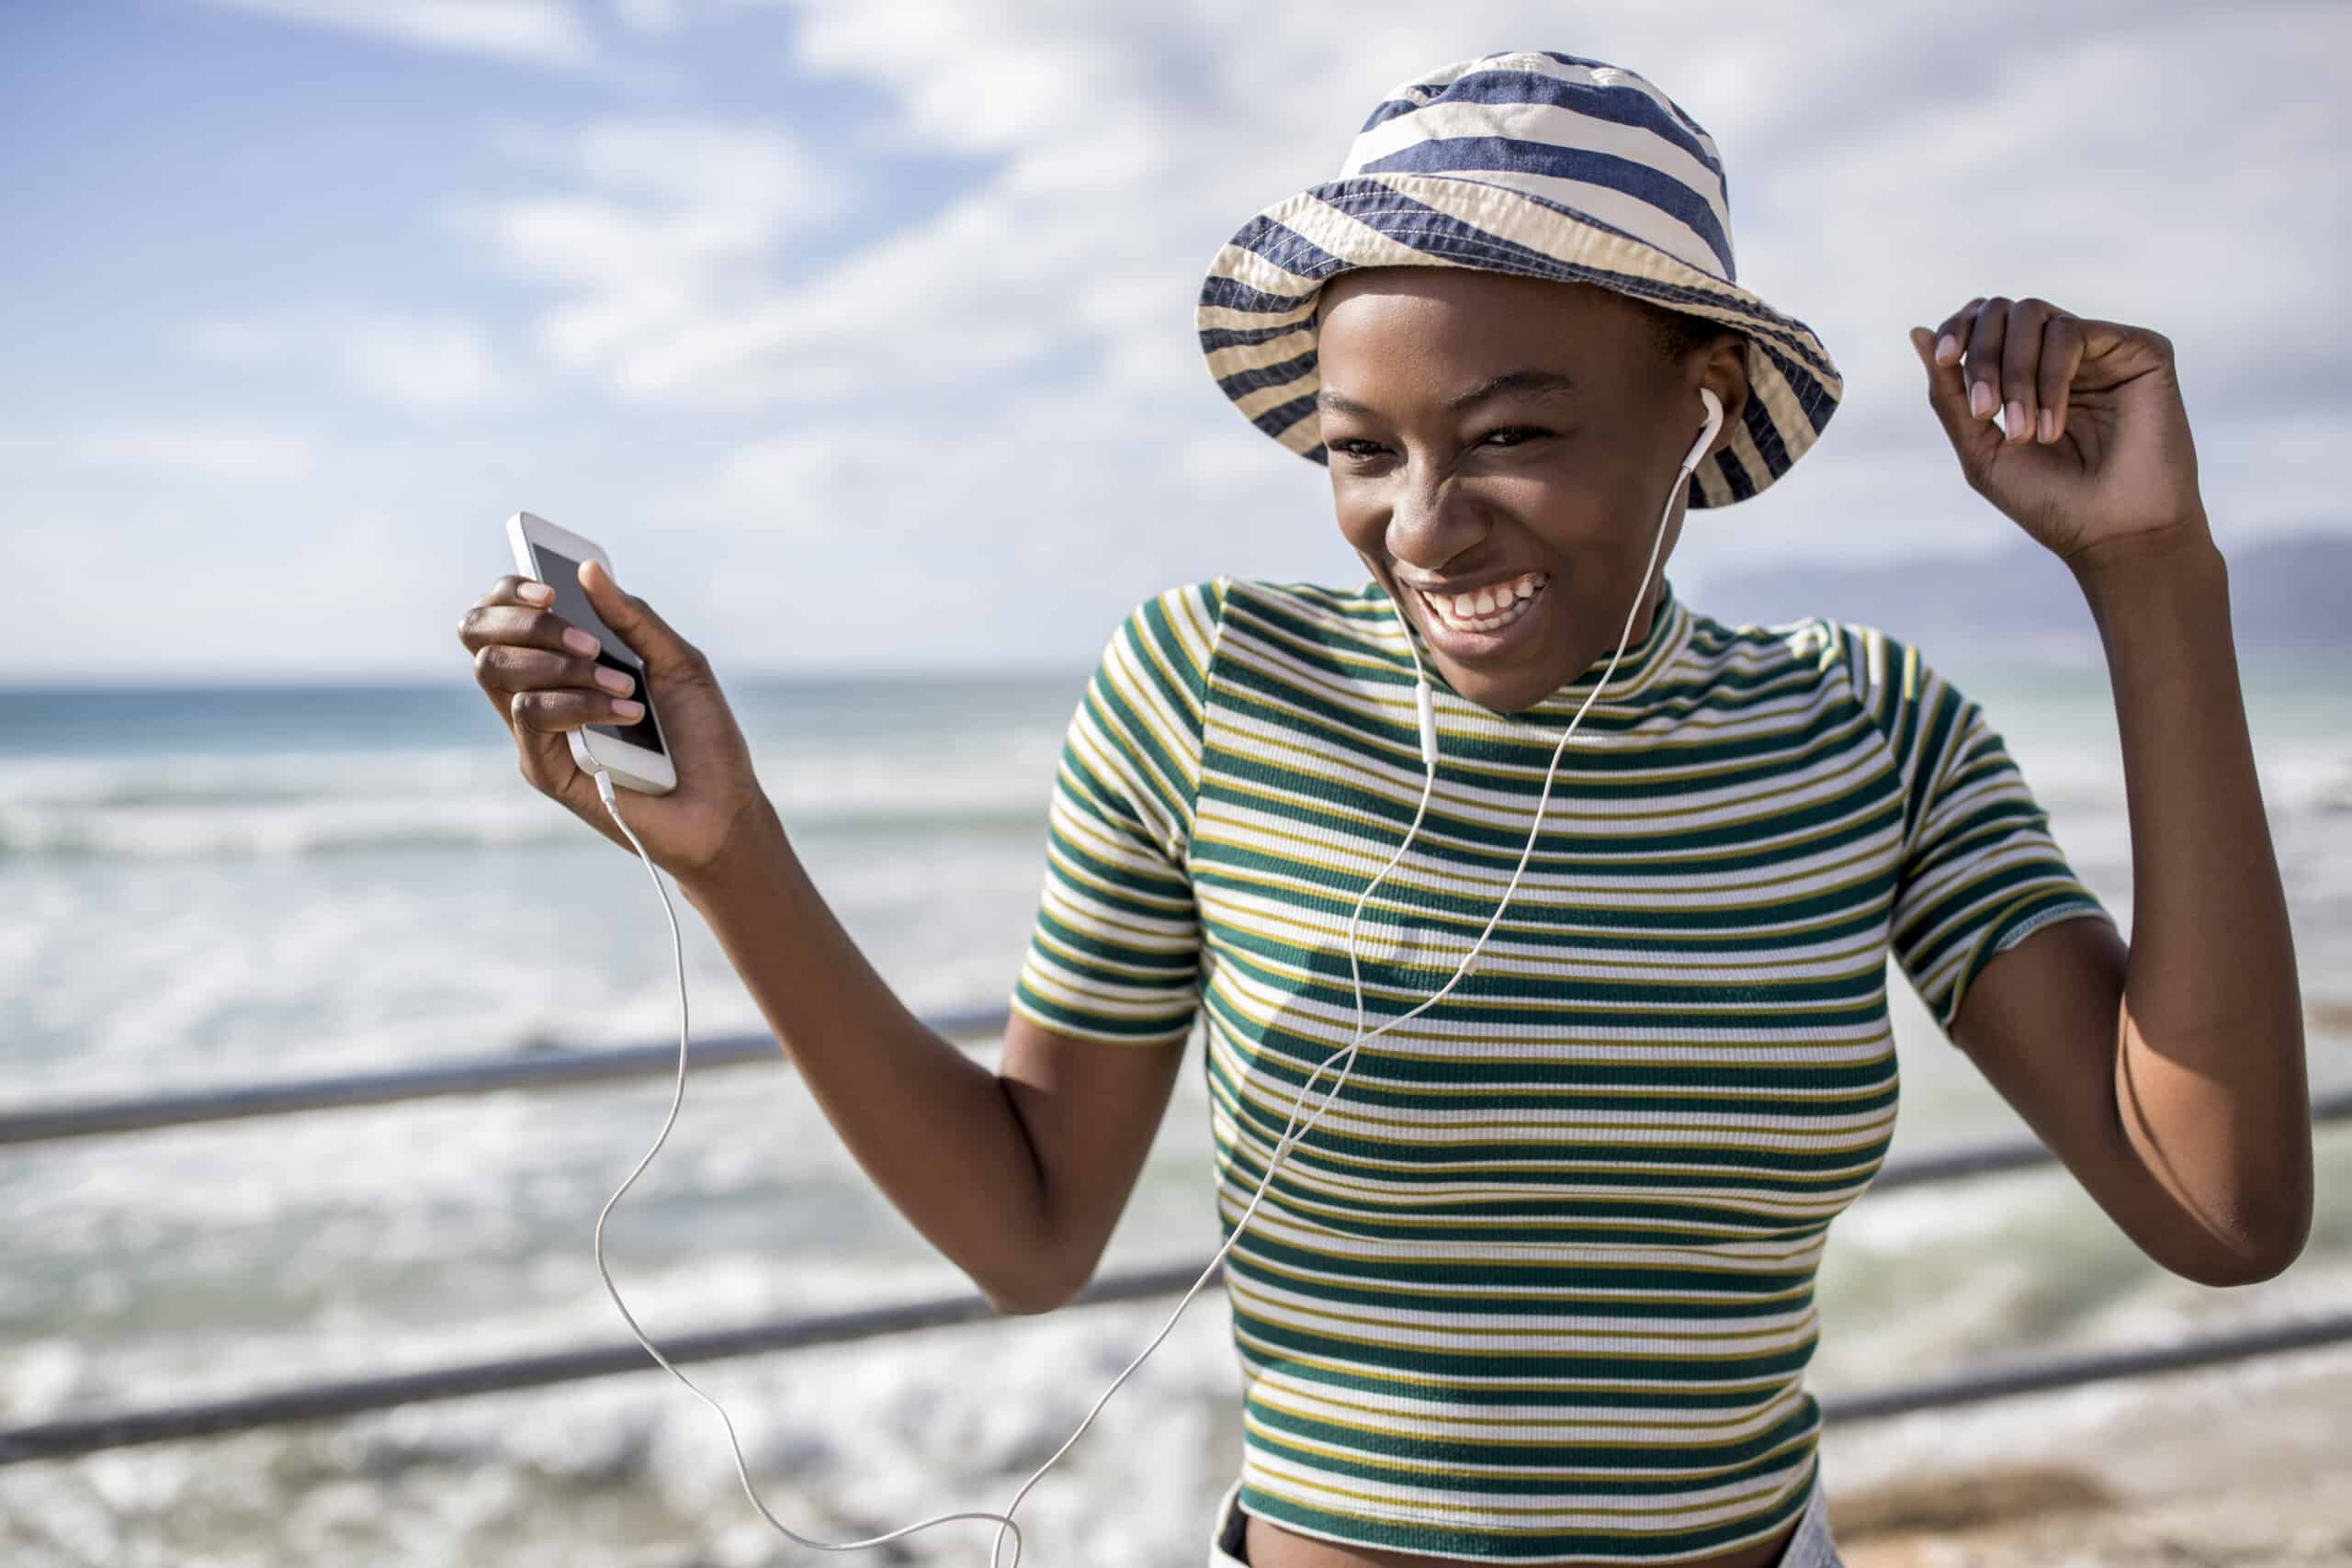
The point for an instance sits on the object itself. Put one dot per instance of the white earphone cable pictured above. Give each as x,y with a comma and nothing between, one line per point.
605,792
1282,1145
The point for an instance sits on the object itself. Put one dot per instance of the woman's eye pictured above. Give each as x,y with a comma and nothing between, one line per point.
1346,447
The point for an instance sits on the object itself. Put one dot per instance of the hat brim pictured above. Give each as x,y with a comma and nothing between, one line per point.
1256,313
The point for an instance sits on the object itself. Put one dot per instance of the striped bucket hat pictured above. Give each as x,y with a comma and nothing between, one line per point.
1530,162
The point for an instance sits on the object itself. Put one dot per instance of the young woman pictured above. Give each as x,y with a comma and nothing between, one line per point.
1547,1039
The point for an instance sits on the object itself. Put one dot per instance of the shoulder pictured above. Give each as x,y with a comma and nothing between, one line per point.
1187,610
1817,654
1883,670
1272,619
1312,608
1175,631
1352,624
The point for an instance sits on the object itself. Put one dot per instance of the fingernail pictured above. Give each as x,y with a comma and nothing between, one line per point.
1980,399
614,681
1947,349
537,593
579,641
2049,431
2014,427
624,708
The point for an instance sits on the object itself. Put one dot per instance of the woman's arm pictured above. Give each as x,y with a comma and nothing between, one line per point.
1017,1177
2171,1077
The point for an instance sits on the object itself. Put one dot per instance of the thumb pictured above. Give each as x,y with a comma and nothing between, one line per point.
633,620
1947,395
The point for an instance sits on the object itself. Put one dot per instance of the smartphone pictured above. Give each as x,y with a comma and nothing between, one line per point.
635,754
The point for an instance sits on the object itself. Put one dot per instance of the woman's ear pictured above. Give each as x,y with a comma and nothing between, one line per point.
1725,374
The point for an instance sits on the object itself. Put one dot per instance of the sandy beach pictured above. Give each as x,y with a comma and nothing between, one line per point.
2243,1465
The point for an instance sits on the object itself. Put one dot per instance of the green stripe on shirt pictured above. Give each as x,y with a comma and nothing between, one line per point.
1537,1285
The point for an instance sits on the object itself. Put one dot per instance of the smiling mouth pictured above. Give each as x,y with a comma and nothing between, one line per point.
1508,615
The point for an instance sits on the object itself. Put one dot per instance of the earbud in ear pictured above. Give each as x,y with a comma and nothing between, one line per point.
1714,406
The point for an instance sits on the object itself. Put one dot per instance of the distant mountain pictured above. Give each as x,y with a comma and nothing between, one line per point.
2288,592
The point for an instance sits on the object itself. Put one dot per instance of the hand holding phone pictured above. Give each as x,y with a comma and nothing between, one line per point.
695,793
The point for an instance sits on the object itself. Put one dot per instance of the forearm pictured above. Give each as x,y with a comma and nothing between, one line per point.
933,1128
2210,1072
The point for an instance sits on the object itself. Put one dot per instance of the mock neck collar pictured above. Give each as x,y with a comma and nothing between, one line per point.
1644,660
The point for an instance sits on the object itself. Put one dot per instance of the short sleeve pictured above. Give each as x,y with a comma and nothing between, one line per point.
1980,871
1115,953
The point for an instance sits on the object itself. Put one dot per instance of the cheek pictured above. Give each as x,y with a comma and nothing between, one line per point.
1363,522
1570,503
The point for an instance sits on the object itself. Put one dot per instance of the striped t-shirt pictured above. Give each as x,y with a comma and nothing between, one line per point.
1539,1285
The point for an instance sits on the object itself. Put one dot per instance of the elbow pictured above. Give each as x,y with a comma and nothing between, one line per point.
2278,1229
1022,1301
1034,1290
2257,1251
2243,1268
2273,1258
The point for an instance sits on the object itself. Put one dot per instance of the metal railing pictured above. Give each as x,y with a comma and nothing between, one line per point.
554,1068
568,1068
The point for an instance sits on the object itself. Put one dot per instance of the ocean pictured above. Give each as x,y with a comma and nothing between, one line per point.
206,886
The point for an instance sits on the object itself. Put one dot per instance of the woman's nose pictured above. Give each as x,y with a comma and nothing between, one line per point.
1430,521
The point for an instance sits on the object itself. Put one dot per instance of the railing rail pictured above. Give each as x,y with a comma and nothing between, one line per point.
568,1068
554,1068
312,1402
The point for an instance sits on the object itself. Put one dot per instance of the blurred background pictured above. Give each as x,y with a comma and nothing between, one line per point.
861,335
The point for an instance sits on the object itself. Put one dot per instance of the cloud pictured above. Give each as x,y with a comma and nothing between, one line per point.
943,292
674,227
220,451
1053,498
536,32
1123,147
427,363
650,16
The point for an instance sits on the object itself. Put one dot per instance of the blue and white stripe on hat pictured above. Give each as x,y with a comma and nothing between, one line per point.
1533,163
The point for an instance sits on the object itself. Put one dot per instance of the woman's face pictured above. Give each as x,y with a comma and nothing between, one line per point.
1563,482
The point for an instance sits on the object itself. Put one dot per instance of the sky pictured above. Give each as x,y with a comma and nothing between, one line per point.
861,335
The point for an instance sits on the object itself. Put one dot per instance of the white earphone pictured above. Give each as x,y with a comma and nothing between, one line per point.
1425,704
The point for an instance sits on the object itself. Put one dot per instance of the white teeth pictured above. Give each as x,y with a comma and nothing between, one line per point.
1487,610
1467,607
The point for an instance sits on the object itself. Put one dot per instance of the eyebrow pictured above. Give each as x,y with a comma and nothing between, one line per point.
1530,379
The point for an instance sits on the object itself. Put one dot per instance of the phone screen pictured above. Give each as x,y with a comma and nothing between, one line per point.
563,576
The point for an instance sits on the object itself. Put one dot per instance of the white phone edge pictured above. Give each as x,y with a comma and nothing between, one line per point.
647,772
